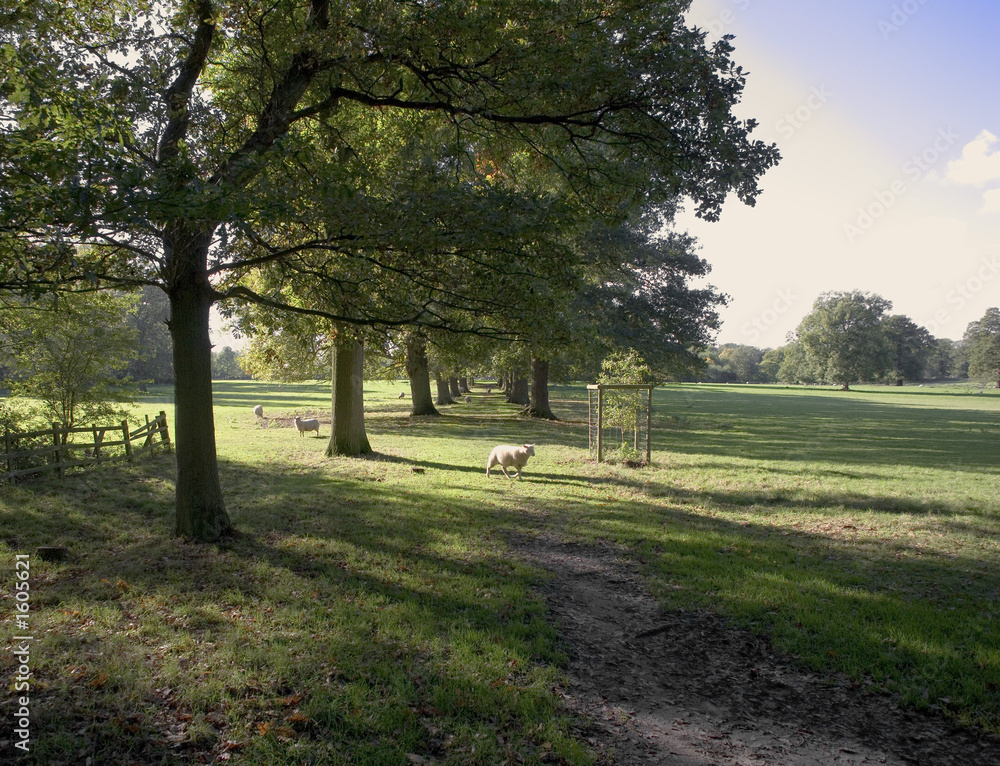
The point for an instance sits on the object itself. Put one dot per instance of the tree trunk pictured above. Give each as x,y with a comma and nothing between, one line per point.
519,391
347,410
201,512
453,387
443,393
539,406
463,386
417,370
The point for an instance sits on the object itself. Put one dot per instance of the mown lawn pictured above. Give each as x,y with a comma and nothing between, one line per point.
370,614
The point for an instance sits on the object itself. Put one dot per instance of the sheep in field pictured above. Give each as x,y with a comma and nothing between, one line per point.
258,411
306,425
508,456
402,395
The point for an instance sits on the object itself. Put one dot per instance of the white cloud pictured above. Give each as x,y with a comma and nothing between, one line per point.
991,202
978,165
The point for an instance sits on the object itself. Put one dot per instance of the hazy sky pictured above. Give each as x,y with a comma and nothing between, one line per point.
887,115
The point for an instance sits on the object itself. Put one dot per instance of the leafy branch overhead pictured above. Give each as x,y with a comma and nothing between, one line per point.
360,147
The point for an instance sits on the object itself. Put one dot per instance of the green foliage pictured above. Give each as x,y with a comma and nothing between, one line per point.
946,359
69,354
844,339
795,366
770,364
734,363
982,344
153,362
228,365
622,407
910,346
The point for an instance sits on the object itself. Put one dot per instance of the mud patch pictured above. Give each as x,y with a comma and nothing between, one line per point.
688,689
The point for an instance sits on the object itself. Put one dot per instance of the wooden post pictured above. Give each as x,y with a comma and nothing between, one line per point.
590,421
635,426
164,433
649,421
98,438
10,460
125,438
600,424
58,451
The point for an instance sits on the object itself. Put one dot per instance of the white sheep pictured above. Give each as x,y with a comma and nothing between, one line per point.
402,395
508,456
306,425
468,400
258,411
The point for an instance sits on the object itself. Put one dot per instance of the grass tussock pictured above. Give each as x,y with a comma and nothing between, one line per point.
368,614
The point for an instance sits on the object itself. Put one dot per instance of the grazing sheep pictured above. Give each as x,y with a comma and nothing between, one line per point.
468,400
402,395
489,389
306,425
508,456
258,411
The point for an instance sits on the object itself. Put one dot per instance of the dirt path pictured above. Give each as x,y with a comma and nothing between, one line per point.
685,689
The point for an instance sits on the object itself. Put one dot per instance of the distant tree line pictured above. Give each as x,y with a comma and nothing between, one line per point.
851,337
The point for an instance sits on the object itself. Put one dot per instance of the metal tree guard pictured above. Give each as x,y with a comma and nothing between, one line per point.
597,433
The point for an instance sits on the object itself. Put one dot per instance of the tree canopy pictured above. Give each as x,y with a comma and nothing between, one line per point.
982,344
844,338
70,354
185,143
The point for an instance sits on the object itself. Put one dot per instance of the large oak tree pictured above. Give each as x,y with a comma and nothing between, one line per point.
170,135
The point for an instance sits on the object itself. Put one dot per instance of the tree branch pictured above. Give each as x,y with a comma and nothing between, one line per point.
178,95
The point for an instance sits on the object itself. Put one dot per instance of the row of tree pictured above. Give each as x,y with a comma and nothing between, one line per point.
383,166
850,337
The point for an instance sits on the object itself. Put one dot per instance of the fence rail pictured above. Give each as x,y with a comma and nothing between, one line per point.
53,449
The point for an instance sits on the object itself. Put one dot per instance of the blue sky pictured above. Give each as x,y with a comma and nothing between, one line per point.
887,116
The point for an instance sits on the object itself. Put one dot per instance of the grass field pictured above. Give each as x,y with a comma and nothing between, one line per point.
374,615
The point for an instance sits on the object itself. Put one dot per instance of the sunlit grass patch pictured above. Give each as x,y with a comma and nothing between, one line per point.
368,613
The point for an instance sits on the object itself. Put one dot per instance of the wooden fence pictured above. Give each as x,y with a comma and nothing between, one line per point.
54,450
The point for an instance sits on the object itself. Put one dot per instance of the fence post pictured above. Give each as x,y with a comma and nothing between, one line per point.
600,424
125,439
10,460
649,422
58,451
164,433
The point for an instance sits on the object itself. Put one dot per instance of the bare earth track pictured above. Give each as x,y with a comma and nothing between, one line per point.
686,689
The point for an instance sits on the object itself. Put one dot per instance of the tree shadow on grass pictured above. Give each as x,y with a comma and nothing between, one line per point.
363,570
380,559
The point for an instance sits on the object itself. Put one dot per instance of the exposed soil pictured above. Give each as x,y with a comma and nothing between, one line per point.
687,689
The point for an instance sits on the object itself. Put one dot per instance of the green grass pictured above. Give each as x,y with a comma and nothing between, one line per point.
371,613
